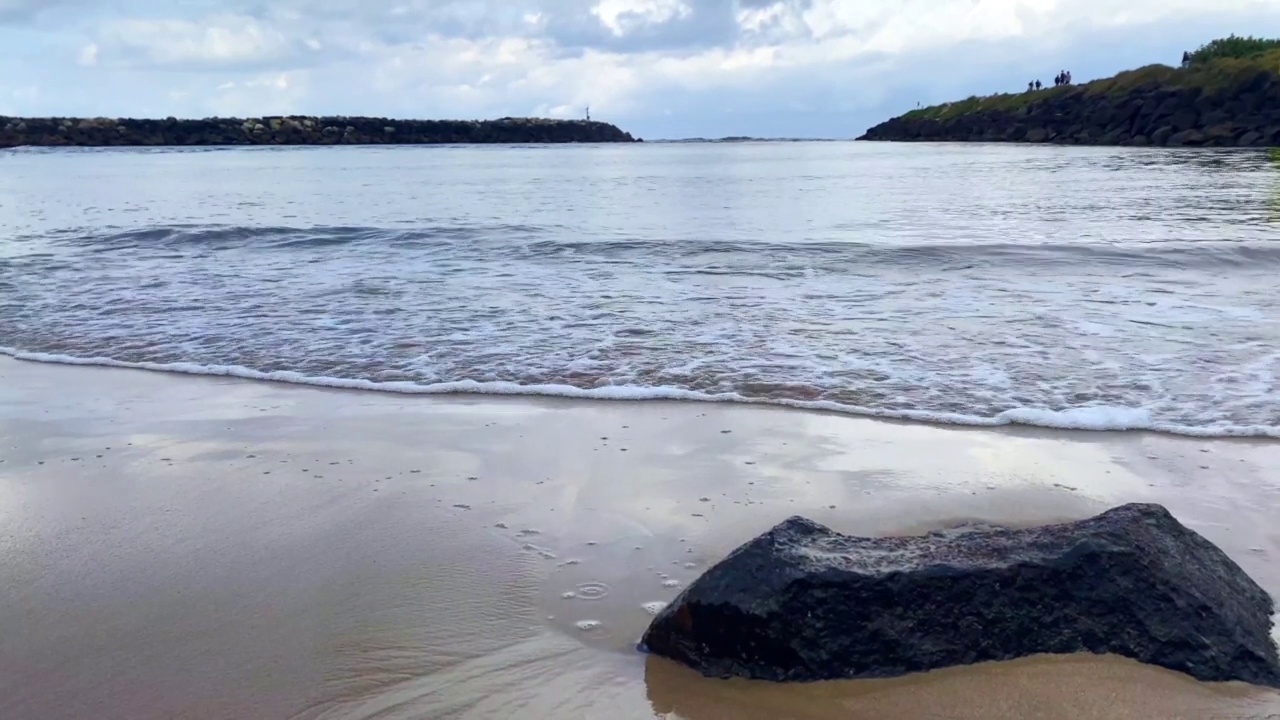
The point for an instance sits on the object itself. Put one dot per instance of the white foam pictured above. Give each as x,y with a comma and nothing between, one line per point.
1098,418
1275,630
1082,418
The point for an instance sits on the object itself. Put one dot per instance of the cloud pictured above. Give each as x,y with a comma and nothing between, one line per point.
19,11
623,16
266,94
220,41
657,67
88,55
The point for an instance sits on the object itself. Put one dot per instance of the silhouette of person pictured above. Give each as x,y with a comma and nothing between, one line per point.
1038,86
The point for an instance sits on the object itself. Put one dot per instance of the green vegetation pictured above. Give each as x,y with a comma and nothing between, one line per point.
1234,46
1223,63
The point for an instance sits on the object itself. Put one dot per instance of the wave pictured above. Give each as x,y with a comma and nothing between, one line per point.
689,254
283,237
1094,418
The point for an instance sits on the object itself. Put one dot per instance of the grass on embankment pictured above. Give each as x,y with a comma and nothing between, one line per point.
1219,64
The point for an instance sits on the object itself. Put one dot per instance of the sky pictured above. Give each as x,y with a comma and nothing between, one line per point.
657,68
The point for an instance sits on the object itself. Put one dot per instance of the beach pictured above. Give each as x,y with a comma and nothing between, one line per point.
183,546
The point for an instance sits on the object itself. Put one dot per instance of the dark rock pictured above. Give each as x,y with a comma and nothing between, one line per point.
1186,137
1183,120
802,602
1223,134
1113,137
300,130
1250,139
1259,82
1100,115
1216,117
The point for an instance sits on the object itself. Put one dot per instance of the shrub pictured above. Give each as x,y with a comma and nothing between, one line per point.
1234,46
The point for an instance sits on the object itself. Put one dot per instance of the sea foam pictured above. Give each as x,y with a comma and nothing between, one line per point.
1101,418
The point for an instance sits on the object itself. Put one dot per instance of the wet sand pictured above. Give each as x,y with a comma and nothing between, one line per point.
194,547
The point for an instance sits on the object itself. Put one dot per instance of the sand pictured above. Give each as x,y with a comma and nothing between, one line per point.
194,547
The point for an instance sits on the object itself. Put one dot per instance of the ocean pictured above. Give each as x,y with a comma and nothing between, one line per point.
1105,289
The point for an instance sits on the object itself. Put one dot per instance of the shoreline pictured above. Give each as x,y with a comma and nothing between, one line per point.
1223,102
1070,420
216,547
297,130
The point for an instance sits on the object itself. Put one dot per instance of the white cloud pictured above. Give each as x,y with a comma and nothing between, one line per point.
266,94
88,55
212,41
624,16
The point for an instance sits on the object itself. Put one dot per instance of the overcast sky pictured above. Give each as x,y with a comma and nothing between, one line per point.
658,68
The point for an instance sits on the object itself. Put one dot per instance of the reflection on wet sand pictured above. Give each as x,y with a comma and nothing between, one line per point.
212,548
1070,687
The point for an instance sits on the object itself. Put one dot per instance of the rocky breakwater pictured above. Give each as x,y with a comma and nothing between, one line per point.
802,602
298,130
1152,106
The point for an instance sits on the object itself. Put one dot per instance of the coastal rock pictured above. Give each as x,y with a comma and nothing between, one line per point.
299,130
1169,109
802,602
1186,137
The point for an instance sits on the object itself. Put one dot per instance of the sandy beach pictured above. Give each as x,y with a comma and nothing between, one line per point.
201,547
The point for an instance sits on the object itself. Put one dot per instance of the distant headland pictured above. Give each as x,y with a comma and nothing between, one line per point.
1225,94
298,130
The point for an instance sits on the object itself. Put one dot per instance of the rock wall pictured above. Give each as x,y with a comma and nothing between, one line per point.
1244,114
298,130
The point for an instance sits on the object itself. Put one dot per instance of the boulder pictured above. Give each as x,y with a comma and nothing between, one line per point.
1184,120
1221,134
1250,139
1186,137
803,603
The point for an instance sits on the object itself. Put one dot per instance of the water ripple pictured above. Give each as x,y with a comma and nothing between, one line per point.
1050,286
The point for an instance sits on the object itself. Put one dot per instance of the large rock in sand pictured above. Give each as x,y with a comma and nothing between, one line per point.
802,602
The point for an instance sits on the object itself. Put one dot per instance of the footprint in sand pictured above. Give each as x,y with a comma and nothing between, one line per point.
545,553
655,607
